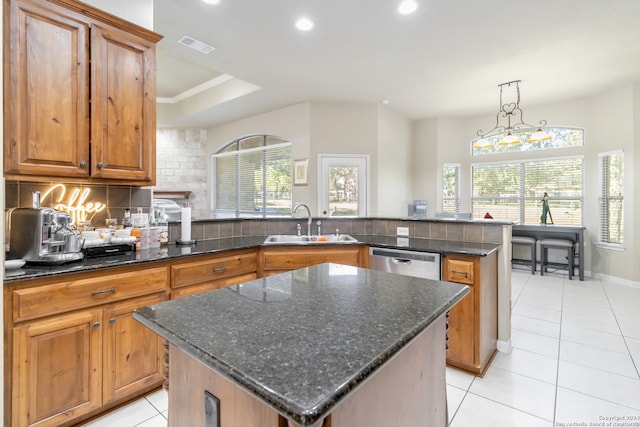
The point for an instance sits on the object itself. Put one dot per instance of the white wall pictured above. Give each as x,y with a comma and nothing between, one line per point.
610,127
633,159
395,166
425,178
610,120
343,128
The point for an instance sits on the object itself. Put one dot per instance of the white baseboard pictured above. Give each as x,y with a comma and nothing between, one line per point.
504,346
617,280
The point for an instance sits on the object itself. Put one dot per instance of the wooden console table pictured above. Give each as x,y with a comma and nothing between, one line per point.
552,231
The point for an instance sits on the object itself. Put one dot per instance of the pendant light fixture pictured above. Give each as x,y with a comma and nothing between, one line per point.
510,110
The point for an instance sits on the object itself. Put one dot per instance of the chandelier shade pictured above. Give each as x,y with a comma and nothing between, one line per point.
511,115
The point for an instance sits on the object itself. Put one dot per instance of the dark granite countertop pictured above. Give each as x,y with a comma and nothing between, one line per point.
33,271
430,245
302,341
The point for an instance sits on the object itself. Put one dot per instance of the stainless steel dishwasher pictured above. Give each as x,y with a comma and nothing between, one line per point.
410,263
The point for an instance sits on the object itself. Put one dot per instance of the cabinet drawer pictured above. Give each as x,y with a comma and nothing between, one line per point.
292,258
459,271
213,269
29,303
211,286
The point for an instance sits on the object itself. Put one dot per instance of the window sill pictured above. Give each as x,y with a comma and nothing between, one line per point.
611,246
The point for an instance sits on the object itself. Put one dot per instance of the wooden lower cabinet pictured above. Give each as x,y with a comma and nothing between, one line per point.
132,352
57,366
286,258
68,366
473,322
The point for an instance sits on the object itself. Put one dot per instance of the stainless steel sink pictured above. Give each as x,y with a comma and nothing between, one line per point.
292,239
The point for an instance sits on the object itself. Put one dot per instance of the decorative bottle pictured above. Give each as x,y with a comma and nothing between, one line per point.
163,225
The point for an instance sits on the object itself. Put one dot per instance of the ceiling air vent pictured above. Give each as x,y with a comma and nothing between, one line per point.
196,45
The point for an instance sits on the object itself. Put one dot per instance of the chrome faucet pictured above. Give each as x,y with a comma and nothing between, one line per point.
308,209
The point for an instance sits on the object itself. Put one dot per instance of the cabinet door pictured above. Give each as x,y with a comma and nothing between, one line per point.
122,105
132,351
46,94
57,369
462,345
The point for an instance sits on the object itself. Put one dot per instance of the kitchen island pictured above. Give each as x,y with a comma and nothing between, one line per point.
323,345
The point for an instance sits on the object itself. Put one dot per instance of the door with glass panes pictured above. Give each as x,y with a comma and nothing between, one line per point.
343,185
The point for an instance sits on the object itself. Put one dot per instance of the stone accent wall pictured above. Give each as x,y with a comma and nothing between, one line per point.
181,162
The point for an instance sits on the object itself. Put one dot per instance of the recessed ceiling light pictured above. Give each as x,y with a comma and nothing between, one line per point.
304,24
407,7
211,1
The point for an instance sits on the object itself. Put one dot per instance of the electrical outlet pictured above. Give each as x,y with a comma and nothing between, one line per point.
402,231
402,241
211,410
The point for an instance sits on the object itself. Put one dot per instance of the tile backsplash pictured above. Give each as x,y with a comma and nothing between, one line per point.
426,229
115,197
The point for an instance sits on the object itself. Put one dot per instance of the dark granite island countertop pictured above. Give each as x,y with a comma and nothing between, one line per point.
303,341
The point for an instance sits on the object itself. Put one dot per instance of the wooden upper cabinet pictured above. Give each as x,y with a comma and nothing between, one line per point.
46,117
79,94
123,105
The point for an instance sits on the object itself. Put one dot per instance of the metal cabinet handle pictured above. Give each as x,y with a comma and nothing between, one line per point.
100,165
112,320
464,273
83,164
96,324
220,269
106,291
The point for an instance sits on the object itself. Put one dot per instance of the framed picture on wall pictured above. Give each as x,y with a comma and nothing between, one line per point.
301,172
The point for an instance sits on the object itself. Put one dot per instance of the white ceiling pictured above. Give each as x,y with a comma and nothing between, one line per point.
444,60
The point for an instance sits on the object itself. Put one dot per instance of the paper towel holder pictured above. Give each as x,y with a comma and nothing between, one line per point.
186,231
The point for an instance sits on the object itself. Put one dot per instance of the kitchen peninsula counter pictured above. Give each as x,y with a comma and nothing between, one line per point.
212,246
305,344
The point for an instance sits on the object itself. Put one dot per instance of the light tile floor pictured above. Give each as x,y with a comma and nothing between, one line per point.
575,361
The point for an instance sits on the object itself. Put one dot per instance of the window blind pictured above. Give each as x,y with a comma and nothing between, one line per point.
252,176
514,190
451,188
612,197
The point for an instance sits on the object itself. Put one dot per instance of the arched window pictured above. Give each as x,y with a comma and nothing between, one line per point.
561,137
252,175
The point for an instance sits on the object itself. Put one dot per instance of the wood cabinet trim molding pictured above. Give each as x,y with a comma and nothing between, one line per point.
108,19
